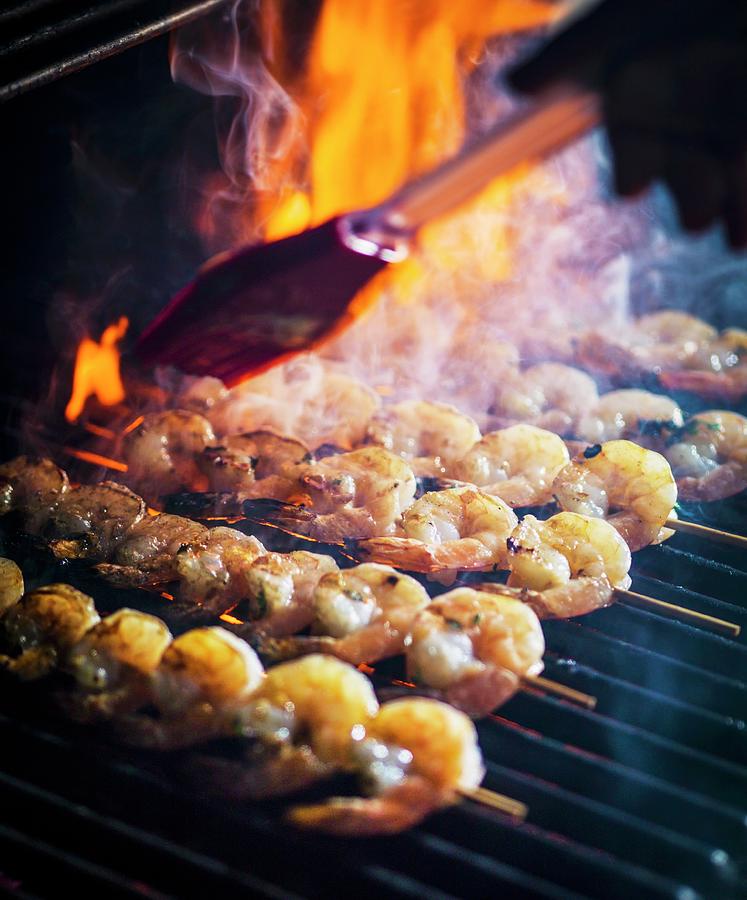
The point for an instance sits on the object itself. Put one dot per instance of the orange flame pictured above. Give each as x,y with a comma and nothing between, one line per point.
97,370
383,97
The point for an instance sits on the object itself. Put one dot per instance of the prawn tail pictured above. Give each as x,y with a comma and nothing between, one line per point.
479,694
397,810
402,553
277,514
203,504
127,576
257,778
280,649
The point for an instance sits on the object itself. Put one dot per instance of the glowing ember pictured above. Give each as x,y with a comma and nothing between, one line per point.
97,371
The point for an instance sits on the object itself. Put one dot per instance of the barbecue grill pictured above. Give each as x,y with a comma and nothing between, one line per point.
643,796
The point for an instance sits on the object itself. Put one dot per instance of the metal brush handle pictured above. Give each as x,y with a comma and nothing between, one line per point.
532,133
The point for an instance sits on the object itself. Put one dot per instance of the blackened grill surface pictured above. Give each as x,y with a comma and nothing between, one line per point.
645,796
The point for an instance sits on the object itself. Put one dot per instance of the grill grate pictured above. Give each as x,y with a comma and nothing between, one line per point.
644,796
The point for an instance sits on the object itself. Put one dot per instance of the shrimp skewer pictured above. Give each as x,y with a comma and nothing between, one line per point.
474,647
456,529
360,615
311,716
417,755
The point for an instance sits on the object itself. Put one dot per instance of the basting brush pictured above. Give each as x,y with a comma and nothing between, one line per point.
251,308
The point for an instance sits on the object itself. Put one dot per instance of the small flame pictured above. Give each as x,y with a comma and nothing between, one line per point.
97,370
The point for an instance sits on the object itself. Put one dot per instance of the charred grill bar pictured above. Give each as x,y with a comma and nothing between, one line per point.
45,40
645,796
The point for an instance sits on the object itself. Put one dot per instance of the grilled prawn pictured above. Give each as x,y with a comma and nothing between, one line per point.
458,528
575,561
474,647
32,488
709,455
256,464
516,464
11,584
429,436
548,395
630,486
162,452
416,756
203,679
631,414
360,615
349,495
112,662
42,626
299,724
278,589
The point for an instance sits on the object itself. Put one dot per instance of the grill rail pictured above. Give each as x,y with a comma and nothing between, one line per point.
44,40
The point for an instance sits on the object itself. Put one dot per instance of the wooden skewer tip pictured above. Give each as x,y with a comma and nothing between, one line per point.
708,533
561,690
712,623
507,805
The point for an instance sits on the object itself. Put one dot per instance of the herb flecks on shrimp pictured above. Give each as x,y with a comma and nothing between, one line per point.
709,455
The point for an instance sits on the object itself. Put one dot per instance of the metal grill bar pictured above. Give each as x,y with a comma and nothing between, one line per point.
100,34
655,712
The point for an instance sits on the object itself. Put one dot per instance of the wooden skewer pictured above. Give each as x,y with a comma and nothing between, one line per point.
507,805
710,534
720,626
561,690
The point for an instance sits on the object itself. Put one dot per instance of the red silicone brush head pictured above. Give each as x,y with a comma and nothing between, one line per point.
251,308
